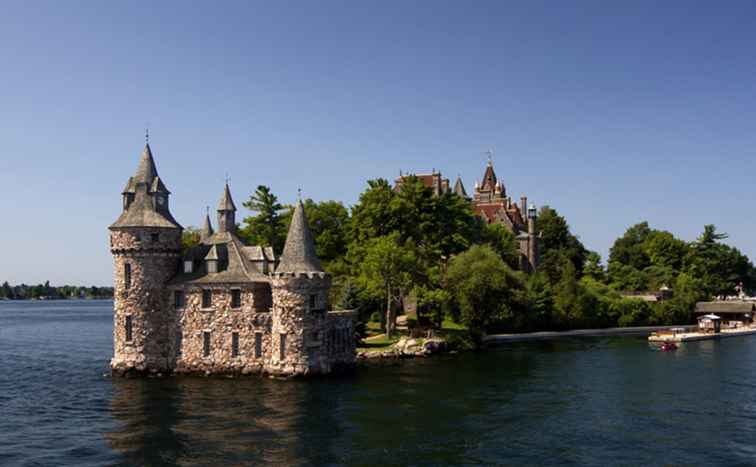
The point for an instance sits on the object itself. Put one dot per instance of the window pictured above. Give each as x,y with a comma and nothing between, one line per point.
234,344
258,344
188,266
212,266
282,347
129,329
155,237
127,276
313,298
206,344
235,298
179,342
178,299
207,298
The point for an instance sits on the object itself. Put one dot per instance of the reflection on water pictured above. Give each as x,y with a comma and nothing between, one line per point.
198,421
602,401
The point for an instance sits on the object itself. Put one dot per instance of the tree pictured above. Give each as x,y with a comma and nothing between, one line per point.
190,237
557,243
486,290
6,291
387,271
593,267
629,249
265,228
503,242
719,267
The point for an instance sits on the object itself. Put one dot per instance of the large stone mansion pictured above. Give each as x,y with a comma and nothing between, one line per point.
221,307
491,203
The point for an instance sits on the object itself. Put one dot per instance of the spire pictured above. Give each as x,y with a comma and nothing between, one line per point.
299,252
207,228
226,202
459,188
146,171
226,211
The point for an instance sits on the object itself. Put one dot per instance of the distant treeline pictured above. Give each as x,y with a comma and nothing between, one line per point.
48,292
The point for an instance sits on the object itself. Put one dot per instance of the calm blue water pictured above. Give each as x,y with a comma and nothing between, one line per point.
608,401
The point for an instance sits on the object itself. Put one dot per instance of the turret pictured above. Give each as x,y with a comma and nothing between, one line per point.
207,228
300,299
145,242
226,212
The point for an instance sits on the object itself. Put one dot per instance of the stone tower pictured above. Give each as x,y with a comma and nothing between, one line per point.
299,325
145,242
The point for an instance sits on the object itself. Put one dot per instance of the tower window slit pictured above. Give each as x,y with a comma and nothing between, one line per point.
127,276
235,344
129,328
282,347
205,344
258,344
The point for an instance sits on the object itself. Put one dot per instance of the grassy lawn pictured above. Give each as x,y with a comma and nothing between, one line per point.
377,341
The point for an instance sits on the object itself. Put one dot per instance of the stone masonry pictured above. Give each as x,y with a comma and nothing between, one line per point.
220,307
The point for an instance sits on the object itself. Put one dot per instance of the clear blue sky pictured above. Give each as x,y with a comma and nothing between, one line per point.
611,112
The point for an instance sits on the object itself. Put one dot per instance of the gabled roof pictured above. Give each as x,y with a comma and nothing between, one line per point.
234,265
489,178
226,203
299,251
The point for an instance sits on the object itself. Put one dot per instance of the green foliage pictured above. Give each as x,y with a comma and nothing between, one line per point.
266,227
387,272
503,242
486,290
557,244
719,267
189,237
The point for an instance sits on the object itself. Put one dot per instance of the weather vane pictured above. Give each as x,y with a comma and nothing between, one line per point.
490,154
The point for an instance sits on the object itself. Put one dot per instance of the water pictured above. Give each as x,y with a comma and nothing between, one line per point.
567,402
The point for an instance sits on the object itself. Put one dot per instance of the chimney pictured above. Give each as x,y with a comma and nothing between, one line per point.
523,205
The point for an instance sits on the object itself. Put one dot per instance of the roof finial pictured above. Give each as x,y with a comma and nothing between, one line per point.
490,154
299,194
207,210
227,178
147,134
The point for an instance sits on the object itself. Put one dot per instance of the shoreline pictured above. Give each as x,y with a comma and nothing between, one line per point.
494,339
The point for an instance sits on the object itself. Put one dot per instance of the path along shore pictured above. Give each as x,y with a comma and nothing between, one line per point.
494,339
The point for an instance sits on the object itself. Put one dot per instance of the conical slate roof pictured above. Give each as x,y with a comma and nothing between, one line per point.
146,171
207,228
299,251
226,202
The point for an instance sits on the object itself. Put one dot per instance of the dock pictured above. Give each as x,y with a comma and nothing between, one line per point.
668,336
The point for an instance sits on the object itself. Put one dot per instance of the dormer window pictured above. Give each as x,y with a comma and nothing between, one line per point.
188,267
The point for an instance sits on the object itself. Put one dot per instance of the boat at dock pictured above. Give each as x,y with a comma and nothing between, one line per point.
689,336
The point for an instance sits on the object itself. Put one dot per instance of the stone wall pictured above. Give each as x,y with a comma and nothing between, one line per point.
221,321
153,261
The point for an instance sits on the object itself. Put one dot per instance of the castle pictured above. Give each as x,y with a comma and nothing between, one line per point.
220,307
491,203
